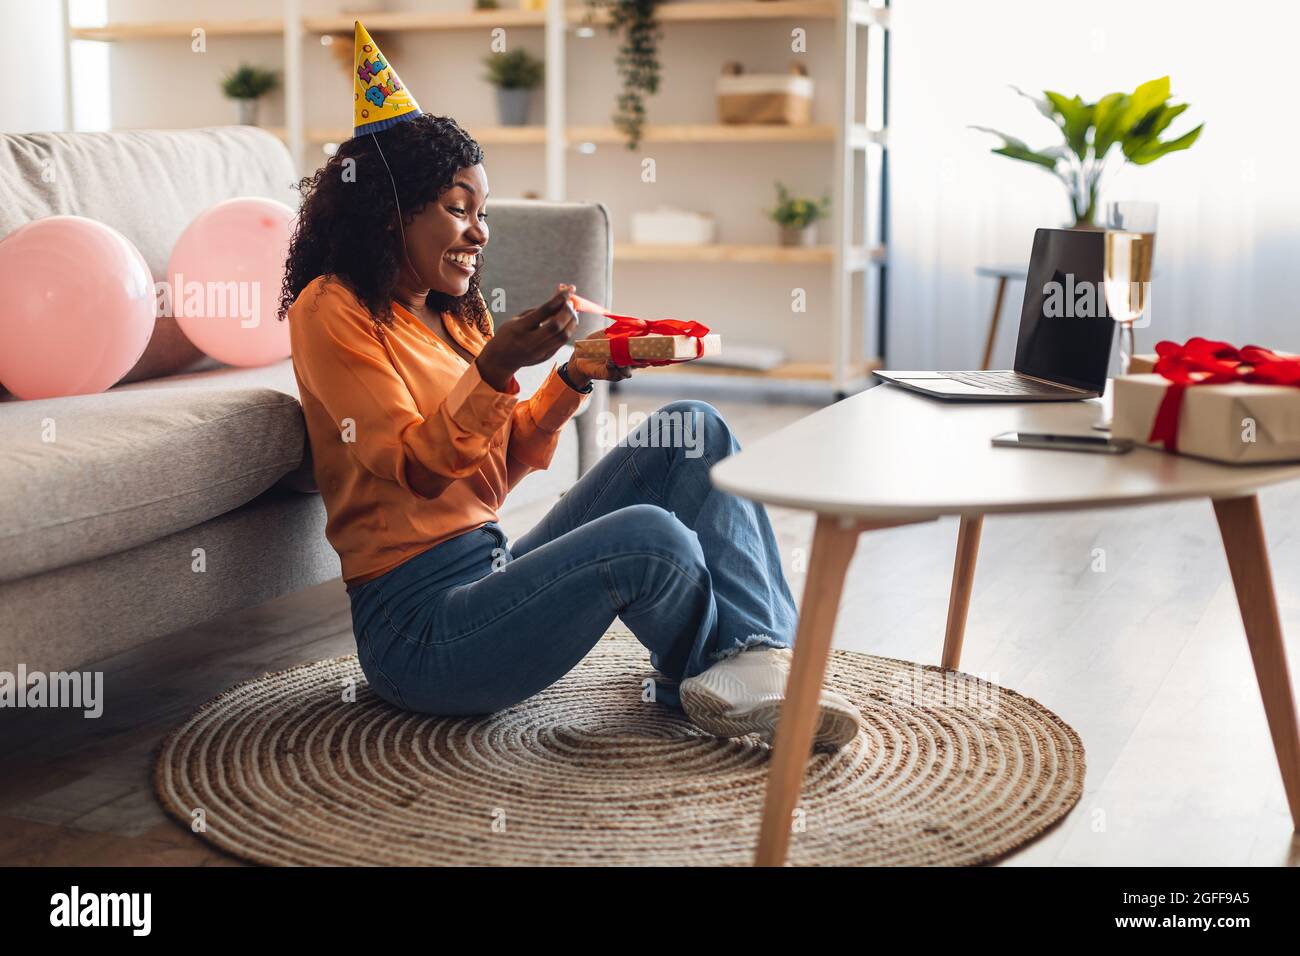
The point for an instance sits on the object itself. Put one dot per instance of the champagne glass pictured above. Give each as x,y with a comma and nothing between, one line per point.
1130,248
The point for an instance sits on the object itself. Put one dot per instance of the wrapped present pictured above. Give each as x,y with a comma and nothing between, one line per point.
649,349
1214,401
635,343
1146,361
1143,363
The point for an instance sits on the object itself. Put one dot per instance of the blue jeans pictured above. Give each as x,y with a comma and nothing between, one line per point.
477,624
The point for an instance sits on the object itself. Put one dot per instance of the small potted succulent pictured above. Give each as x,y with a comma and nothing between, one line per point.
246,85
798,217
515,75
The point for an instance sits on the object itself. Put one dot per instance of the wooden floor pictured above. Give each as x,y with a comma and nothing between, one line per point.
1122,622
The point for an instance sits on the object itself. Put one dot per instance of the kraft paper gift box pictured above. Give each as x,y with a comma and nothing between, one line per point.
654,348
1237,423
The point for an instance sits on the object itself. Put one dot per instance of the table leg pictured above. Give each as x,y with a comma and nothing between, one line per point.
963,578
833,543
993,321
1243,542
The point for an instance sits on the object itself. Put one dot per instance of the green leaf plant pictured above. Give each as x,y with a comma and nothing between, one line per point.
798,213
248,82
1131,121
516,70
637,59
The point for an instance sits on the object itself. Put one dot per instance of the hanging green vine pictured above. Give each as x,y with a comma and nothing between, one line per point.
637,60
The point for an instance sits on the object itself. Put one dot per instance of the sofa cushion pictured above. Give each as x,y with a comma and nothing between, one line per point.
148,185
91,475
277,375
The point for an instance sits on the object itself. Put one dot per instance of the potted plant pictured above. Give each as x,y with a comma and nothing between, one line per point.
637,59
1131,121
515,75
798,217
246,85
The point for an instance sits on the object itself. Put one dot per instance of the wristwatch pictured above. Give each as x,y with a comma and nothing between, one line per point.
563,372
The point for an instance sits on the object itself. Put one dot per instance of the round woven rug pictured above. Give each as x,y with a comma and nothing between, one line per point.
307,766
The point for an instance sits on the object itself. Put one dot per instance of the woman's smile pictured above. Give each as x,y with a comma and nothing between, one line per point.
461,261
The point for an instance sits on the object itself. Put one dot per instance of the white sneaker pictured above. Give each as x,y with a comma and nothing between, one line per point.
743,695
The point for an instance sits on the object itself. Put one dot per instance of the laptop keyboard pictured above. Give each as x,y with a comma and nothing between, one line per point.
1008,382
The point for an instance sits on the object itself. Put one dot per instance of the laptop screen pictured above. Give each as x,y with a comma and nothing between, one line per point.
1065,331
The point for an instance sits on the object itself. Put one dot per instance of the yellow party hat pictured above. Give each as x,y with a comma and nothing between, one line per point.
379,98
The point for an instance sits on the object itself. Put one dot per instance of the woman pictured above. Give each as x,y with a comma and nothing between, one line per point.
418,435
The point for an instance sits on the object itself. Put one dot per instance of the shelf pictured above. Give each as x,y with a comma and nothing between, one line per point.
755,253
162,30
380,21
846,140
733,10
485,135
508,135
677,133
707,133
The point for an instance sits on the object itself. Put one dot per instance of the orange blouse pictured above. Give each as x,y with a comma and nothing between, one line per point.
410,446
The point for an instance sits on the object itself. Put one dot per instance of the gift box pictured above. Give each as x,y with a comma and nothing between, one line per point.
1214,421
652,348
1143,364
1146,362
634,342
1212,401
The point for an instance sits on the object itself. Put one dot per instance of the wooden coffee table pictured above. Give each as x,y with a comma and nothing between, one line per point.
888,457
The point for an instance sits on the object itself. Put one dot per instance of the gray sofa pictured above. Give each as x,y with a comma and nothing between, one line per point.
185,491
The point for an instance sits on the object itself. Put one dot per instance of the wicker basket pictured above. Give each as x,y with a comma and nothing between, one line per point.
776,98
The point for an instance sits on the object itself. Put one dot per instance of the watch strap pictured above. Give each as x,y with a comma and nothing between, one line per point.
563,371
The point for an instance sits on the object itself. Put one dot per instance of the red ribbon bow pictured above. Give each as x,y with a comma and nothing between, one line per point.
629,327
1204,362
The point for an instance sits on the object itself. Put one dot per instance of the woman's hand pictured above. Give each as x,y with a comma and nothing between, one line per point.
532,336
583,370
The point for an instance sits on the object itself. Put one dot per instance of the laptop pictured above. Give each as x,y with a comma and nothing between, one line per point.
1064,345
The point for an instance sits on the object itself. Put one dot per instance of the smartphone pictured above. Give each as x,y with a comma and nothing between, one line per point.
1095,443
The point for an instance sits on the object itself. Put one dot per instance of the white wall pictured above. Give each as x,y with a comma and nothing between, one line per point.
31,43
1228,243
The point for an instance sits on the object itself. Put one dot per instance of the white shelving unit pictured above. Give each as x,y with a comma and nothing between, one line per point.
854,258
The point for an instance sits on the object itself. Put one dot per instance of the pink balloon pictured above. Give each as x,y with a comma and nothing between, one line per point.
225,275
77,308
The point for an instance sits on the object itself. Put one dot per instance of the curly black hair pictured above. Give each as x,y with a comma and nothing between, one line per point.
341,229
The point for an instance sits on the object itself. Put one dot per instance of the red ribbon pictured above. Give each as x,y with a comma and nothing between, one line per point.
1204,362
629,327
